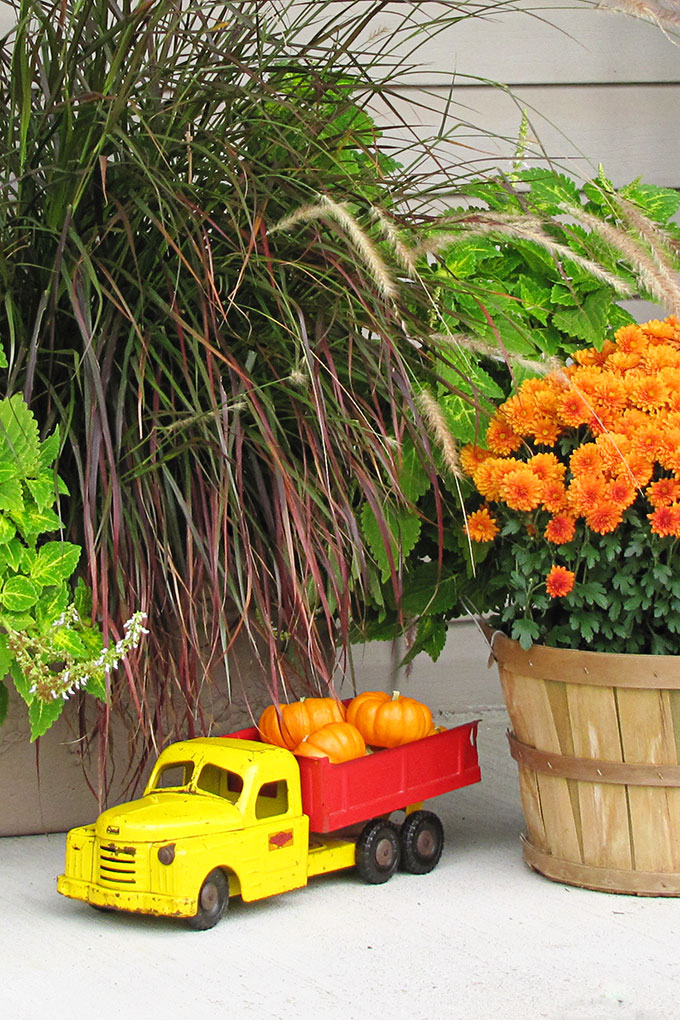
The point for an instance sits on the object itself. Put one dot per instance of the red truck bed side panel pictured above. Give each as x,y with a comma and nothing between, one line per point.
353,791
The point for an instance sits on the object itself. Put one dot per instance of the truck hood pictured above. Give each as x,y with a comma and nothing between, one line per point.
168,816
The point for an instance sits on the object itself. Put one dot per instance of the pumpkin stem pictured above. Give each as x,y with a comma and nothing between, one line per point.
395,695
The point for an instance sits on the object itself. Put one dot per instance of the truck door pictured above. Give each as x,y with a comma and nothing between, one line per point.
282,838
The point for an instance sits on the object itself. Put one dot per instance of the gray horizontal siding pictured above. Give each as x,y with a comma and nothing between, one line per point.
630,129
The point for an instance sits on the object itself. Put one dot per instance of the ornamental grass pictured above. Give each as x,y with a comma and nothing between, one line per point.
580,479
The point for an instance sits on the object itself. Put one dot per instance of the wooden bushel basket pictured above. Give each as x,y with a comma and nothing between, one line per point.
596,737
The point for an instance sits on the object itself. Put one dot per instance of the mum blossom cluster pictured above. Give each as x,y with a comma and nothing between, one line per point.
608,432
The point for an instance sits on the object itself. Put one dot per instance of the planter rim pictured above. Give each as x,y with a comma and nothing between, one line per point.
610,669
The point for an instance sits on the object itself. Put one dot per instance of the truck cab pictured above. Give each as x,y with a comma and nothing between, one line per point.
210,805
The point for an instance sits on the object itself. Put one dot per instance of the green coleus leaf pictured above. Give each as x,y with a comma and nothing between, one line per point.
19,439
49,450
553,191
11,495
413,479
82,599
464,257
430,637
588,322
466,423
560,295
43,714
5,656
658,203
17,556
536,298
55,562
32,522
401,534
51,604
69,642
43,489
7,530
19,594
96,686
424,591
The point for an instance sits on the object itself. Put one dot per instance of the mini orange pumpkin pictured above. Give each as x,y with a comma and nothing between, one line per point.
389,722
338,741
287,725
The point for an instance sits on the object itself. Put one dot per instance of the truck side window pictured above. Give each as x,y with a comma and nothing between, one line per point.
220,782
272,799
177,773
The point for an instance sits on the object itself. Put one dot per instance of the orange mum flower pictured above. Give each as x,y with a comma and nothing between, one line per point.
630,338
640,469
554,496
559,582
614,448
621,492
521,489
584,494
647,441
591,356
471,457
545,431
665,520
648,392
664,492
656,329
490,473
560,529
547,467
586,459
573,409
481,526
519,412
624,361
604,517
500,437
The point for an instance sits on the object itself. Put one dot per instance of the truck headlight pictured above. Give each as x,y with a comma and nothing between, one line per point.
166,854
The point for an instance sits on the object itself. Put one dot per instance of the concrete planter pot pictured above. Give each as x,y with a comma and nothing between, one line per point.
47,786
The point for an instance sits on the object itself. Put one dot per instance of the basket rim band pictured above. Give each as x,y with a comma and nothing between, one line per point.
592,770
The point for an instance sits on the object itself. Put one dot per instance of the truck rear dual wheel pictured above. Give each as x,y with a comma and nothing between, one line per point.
422,841
212,901
377,853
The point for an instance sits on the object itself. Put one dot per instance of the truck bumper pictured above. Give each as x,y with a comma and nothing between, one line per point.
136,902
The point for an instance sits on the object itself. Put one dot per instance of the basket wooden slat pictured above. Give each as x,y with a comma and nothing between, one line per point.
600,810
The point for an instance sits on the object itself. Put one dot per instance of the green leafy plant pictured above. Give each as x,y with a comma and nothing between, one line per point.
47,641
204,249
531,285
581,480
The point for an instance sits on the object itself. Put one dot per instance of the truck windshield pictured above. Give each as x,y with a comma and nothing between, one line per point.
174,775
220,782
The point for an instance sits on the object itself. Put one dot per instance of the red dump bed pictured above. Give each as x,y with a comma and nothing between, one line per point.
353,791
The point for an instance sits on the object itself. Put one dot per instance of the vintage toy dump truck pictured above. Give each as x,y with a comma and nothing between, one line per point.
228,815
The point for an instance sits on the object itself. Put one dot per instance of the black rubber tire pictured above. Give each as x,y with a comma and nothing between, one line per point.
378,851
212,901
422,842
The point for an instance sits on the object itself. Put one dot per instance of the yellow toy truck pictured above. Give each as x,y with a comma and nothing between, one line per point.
232,815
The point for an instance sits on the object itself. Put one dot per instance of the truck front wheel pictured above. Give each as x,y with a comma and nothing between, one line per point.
422,841
377,854
212,901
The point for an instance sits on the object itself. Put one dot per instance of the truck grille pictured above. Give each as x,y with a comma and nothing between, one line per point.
117,865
